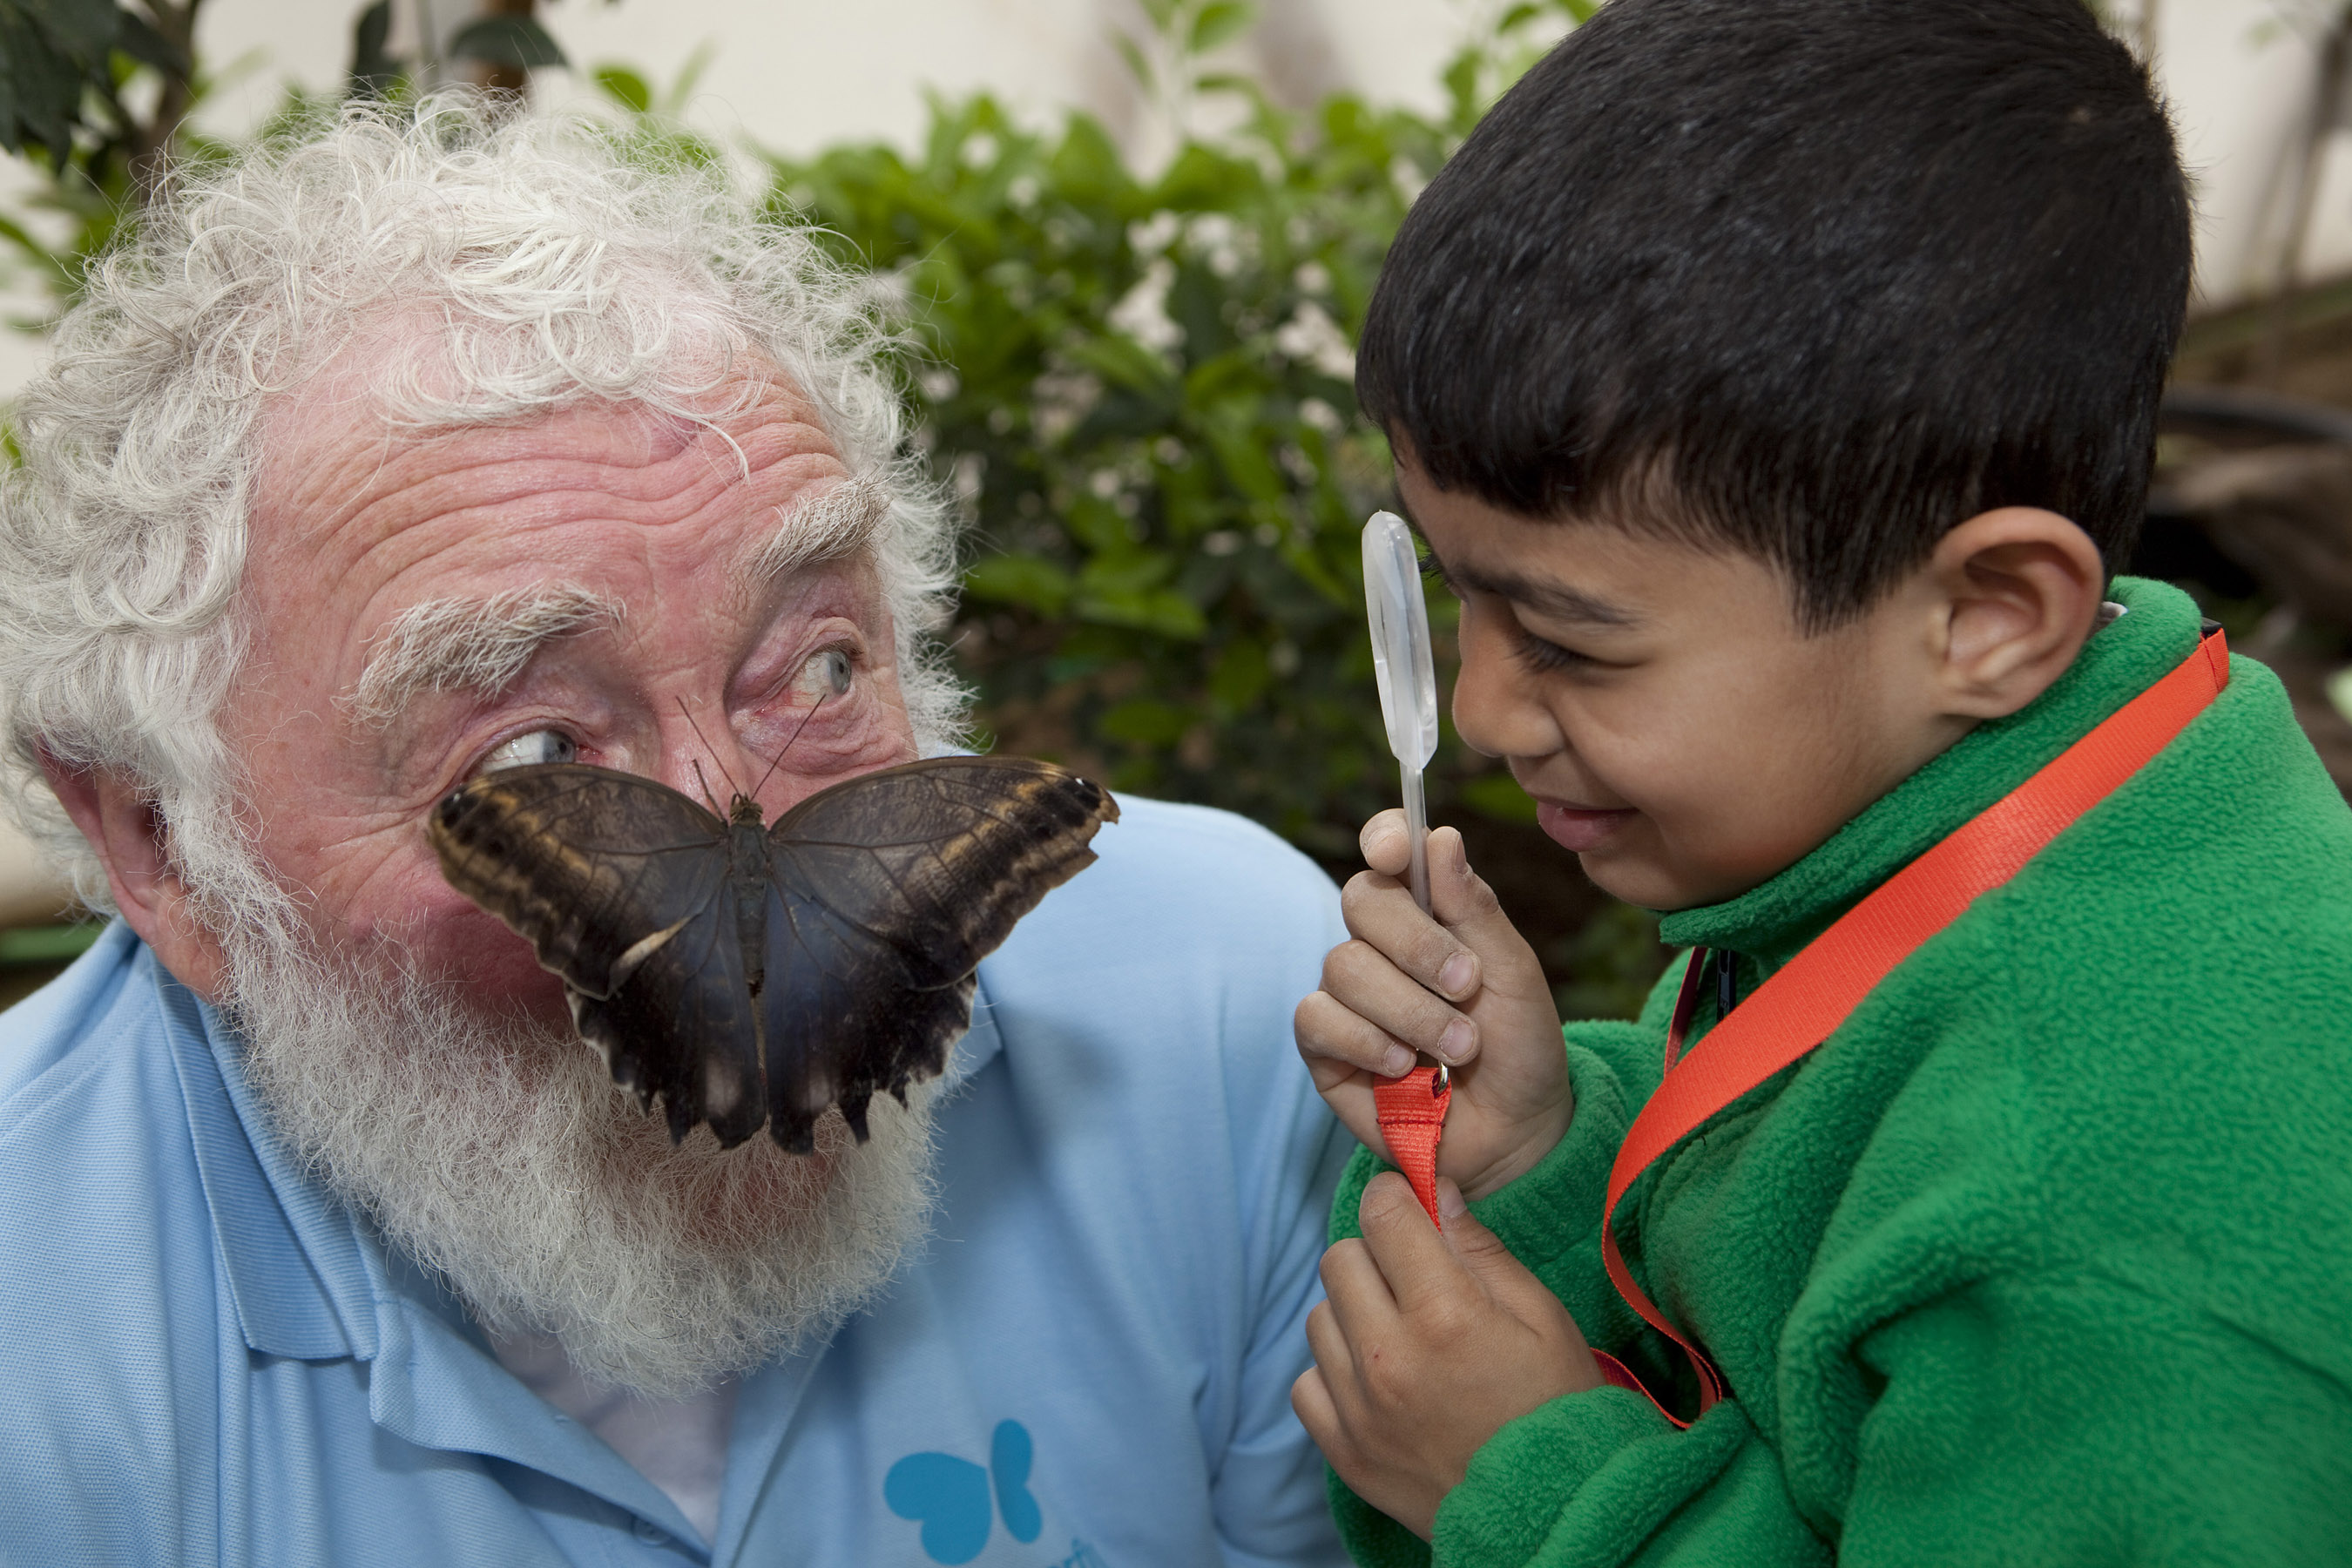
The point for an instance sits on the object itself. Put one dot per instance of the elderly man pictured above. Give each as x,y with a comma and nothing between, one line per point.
429,446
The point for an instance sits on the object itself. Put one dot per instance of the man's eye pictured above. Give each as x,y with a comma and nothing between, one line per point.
824,675
538,746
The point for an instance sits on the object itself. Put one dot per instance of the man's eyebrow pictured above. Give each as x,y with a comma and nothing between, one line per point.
481,645
831,526
1553,601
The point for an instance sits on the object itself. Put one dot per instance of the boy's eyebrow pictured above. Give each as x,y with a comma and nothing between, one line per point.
1553,601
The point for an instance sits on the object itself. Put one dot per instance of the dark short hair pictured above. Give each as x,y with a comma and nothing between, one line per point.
1816,278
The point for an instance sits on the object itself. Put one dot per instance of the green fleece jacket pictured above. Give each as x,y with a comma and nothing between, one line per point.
2045,1257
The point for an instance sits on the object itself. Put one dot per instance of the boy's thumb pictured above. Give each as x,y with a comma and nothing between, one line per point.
1482,1252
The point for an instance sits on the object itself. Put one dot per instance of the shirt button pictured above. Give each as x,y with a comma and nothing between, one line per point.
652,1534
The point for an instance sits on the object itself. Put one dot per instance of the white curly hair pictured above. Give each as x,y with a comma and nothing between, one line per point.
552,259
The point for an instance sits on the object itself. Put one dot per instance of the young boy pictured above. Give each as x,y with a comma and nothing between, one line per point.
1774,381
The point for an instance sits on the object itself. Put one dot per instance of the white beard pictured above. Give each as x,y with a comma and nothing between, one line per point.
500,1154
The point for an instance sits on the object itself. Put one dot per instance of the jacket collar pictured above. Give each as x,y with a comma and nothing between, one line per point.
1770,924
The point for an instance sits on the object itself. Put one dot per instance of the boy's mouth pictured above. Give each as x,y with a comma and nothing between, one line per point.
1577,828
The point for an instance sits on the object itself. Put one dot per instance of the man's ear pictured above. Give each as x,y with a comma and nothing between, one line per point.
125,829
2020,591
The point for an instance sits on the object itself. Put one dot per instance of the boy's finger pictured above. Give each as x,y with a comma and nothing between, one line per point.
1418,1269
1327,1342
1482,1252
1380,912
1310,1398
1336,1040
1462,901
1387,847
1362,980
1355,1292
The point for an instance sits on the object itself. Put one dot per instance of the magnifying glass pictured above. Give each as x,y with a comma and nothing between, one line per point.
1408,679
1406,672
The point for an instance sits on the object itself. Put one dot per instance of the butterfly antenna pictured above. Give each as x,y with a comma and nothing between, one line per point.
707,746
796,735
704,785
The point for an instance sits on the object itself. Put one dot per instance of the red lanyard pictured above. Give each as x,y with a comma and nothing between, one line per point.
1412,1109
1805,1001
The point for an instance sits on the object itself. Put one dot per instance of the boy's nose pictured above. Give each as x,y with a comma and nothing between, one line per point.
1497,710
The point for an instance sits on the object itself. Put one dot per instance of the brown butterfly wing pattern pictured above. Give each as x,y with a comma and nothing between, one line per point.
619,884
743,978
886,891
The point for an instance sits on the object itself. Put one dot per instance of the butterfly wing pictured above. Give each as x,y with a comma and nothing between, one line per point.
886,893
617,881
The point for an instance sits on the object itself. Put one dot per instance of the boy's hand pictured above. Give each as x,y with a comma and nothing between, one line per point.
1464,986
1425,1347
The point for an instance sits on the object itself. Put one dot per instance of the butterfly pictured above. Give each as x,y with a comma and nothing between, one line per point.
747,974
950,1495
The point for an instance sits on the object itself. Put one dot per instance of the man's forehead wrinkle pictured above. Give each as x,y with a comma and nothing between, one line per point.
479,645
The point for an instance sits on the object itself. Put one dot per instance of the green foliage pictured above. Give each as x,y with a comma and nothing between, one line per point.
519,43
1143,389
1140,389
59,71
64,68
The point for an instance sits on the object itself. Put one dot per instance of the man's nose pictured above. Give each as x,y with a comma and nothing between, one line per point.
704,760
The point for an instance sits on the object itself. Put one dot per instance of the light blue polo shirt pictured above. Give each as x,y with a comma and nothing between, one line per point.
205,1358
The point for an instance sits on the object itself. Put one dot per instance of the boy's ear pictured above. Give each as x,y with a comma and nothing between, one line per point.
2018,590
123,825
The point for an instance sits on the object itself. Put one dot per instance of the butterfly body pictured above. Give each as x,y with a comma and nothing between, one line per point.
748,974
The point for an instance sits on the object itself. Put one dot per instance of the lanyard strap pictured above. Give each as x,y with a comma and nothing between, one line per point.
1806,1001
1412,1119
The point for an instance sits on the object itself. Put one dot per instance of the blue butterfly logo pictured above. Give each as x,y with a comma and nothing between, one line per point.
951,1495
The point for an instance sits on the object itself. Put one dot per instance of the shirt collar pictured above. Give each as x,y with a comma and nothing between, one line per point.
297,1269
1771,923
307,1278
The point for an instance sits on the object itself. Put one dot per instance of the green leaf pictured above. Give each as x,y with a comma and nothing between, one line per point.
143,44
1121,360
1219,22
373,67
625,88
1242,675
1163,610
516,42
1030,581
1145,721
1137,63
1498,796
82,29
674,97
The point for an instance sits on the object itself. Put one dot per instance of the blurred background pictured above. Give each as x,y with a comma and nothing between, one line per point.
1134,239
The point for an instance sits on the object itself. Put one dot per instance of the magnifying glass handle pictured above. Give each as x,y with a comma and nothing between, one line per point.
1416,828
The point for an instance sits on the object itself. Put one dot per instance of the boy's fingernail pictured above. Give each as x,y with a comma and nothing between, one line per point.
1397,1063
1449,1201
1459,971
1452,1044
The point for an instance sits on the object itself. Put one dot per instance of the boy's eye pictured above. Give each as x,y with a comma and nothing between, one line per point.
1549,657
525,750
825,675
